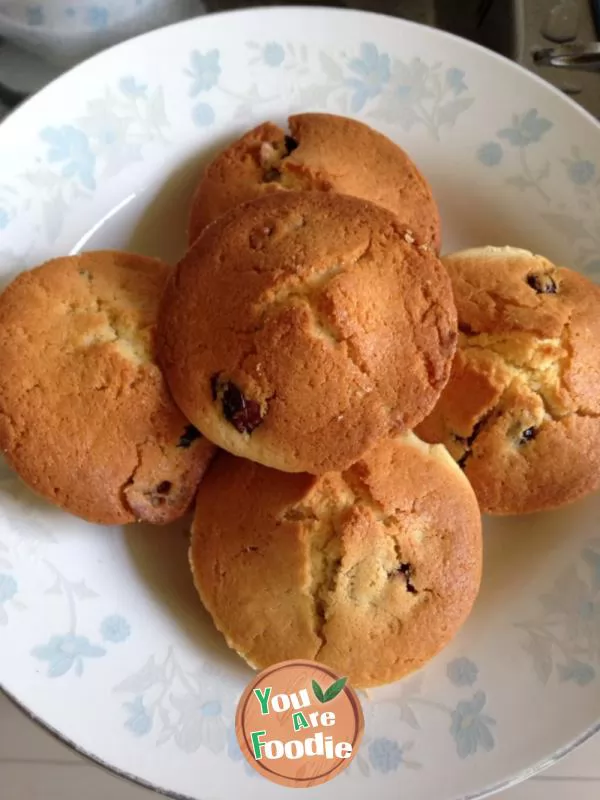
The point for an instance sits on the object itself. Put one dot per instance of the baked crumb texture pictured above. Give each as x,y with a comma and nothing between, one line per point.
371,571
521,410
303,327
86,418
322,152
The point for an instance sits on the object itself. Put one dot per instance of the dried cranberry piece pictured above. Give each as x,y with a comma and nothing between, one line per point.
527,435
189,435
244,414
542,284
407,571
271,175
290,144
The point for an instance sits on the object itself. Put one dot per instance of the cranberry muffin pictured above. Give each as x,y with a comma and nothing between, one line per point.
322,152
521,411
303,327
86,418
372,570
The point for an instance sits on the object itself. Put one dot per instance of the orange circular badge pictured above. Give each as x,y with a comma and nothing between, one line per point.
299,724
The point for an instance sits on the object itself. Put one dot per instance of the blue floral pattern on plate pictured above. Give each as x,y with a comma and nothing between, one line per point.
490,154
462,672
71,147
131,88
564,639
67,651
139,721
518,142
580,171
107,139
471,728
273,54
203,115
373,73
8,590
115,629
64,652
386,755
412,93
118,127
189,708
204,70
88,156
526,129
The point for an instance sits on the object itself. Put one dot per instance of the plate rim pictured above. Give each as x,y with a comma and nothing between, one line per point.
520,777
313,10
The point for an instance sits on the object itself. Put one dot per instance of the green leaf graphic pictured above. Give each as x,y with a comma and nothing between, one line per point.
318,692
335,689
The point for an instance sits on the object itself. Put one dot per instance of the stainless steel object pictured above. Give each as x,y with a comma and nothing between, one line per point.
555,39
574,56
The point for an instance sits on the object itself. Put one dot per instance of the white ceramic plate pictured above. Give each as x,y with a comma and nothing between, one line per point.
101,635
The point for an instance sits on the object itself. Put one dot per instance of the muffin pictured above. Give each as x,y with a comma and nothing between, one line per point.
86,418
303,327
521,411
324,153
371,571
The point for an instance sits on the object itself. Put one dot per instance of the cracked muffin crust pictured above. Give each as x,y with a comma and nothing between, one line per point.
86,418
371,571
325,153
303,327
521,411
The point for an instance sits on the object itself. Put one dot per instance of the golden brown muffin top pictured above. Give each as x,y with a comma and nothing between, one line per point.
86,418
371,571
303,327
521,410
323,152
